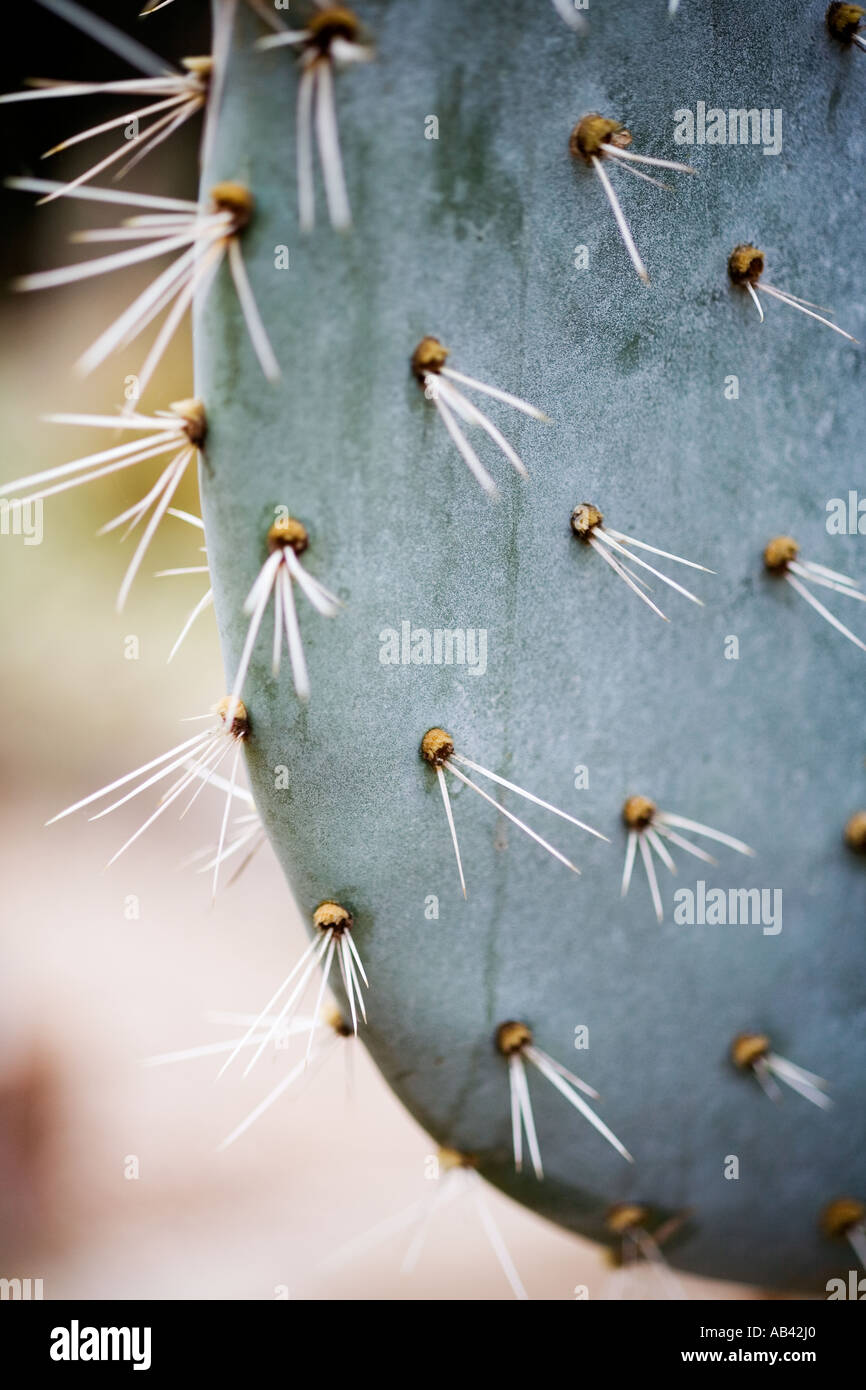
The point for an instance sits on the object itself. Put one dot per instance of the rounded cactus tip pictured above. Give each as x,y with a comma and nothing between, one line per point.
843,21
235,199
779,552
192,412
625,1216
593,131
429,356
436,747
840,1216
855,832
289,533
331,916
512,1037
584,519
638,811
233,713
749,1048
746,264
